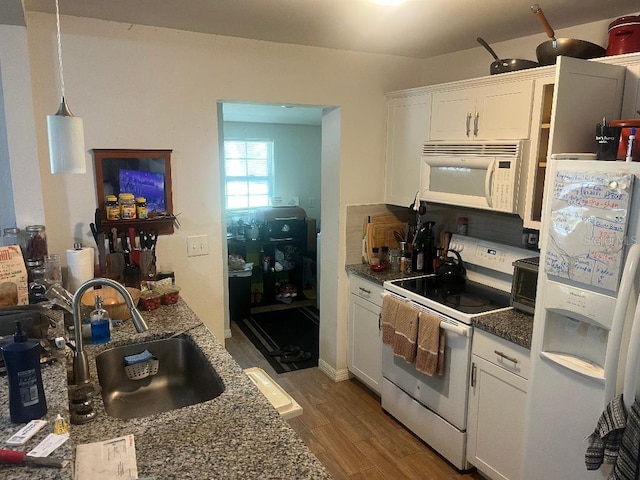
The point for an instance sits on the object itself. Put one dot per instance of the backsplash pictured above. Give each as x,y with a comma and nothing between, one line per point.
496,227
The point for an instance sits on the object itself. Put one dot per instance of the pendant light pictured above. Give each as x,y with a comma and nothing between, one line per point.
66,132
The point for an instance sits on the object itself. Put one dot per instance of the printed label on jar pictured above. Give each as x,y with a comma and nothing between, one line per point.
128,212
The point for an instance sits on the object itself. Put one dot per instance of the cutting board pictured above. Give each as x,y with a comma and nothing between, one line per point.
381,234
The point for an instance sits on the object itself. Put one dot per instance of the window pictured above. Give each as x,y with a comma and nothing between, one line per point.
248,166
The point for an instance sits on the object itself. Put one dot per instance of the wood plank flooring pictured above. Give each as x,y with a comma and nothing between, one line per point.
345,427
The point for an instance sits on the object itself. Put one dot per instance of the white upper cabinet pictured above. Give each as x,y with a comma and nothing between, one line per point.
565,117
500,111
407,129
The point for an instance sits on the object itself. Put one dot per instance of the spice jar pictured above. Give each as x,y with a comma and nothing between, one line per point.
36,280
36,242
112,208
463,225
141,207
384,255
127,206
375,256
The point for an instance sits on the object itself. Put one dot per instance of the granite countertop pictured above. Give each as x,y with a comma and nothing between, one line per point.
236,435
364,270
54,379
510,324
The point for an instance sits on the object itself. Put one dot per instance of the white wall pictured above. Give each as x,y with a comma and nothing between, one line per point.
19,155
296,159
145,87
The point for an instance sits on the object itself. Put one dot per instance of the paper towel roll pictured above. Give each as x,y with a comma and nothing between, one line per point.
80,267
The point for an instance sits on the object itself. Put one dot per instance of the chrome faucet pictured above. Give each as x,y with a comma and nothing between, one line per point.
80,362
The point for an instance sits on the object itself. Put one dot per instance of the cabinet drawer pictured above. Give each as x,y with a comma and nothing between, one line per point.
501,352
365,289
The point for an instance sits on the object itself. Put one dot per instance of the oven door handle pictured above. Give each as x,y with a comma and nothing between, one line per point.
450,327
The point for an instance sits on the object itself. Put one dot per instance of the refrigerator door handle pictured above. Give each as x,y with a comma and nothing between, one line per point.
633,362
617,324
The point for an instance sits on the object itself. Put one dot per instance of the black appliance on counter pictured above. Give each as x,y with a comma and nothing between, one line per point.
525,283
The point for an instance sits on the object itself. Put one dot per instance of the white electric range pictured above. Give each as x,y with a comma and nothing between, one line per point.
435,408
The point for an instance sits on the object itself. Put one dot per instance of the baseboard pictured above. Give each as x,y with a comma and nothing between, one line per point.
332,373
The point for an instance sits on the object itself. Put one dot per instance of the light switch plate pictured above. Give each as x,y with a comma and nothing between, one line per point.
197,245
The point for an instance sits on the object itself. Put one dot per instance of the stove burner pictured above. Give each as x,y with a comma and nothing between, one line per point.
469,297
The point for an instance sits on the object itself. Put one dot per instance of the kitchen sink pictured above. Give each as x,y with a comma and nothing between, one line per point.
183,378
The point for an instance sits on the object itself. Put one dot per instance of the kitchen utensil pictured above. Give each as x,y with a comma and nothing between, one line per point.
21,458
451,270
624,35
547,52
502,65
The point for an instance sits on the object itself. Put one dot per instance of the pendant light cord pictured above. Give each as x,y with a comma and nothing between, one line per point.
59,48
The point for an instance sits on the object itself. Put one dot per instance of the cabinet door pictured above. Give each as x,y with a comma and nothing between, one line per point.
582,93
407,129
365,342
503,111
495,427
452,114
585,93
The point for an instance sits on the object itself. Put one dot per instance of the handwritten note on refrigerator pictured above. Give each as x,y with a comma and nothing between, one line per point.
589,213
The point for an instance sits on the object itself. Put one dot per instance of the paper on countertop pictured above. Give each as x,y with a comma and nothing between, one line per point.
113,459
48,445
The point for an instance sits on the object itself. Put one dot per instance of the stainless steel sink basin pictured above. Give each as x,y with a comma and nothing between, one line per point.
184,378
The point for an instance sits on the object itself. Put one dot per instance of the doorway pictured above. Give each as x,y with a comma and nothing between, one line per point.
280,257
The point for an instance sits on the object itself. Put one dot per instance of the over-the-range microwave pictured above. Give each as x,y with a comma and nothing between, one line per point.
482,175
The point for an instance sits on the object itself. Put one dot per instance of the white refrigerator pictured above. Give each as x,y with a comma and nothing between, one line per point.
586,299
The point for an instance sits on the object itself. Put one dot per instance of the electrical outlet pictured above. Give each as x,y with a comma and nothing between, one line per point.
197,245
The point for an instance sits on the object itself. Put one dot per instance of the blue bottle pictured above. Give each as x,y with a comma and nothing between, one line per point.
26,393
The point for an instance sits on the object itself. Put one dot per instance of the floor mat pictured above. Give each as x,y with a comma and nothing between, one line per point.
271,331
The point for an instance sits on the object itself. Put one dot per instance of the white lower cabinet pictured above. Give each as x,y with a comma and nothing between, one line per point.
497,399
364,358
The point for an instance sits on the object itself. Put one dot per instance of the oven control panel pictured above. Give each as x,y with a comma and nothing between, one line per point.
490,255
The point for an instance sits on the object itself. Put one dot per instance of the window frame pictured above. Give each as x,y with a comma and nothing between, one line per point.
268,179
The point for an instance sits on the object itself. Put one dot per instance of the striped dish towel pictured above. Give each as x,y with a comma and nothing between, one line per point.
626,467
406,333
431,343
388,314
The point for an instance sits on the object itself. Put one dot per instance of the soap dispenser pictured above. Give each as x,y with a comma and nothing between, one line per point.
26,393
100,323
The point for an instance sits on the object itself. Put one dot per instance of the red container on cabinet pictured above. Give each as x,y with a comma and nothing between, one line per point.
624,35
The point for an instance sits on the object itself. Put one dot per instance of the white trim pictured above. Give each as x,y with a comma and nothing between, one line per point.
335,375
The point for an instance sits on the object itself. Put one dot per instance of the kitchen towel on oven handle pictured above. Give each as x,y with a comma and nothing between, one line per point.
431,343
388,314
405,339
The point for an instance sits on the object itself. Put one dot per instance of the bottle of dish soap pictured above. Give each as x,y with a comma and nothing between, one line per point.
26,393
100,323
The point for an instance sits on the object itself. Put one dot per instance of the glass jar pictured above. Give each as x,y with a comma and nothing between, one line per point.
11,236
127,206
52,269
36,242
35,280
112,208
375,256
384,255
141,207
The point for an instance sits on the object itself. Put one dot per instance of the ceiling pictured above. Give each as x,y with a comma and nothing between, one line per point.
416,28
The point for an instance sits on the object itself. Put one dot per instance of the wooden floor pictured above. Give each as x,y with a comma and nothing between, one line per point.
345,427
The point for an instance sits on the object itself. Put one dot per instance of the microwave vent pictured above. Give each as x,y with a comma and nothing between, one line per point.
471,150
